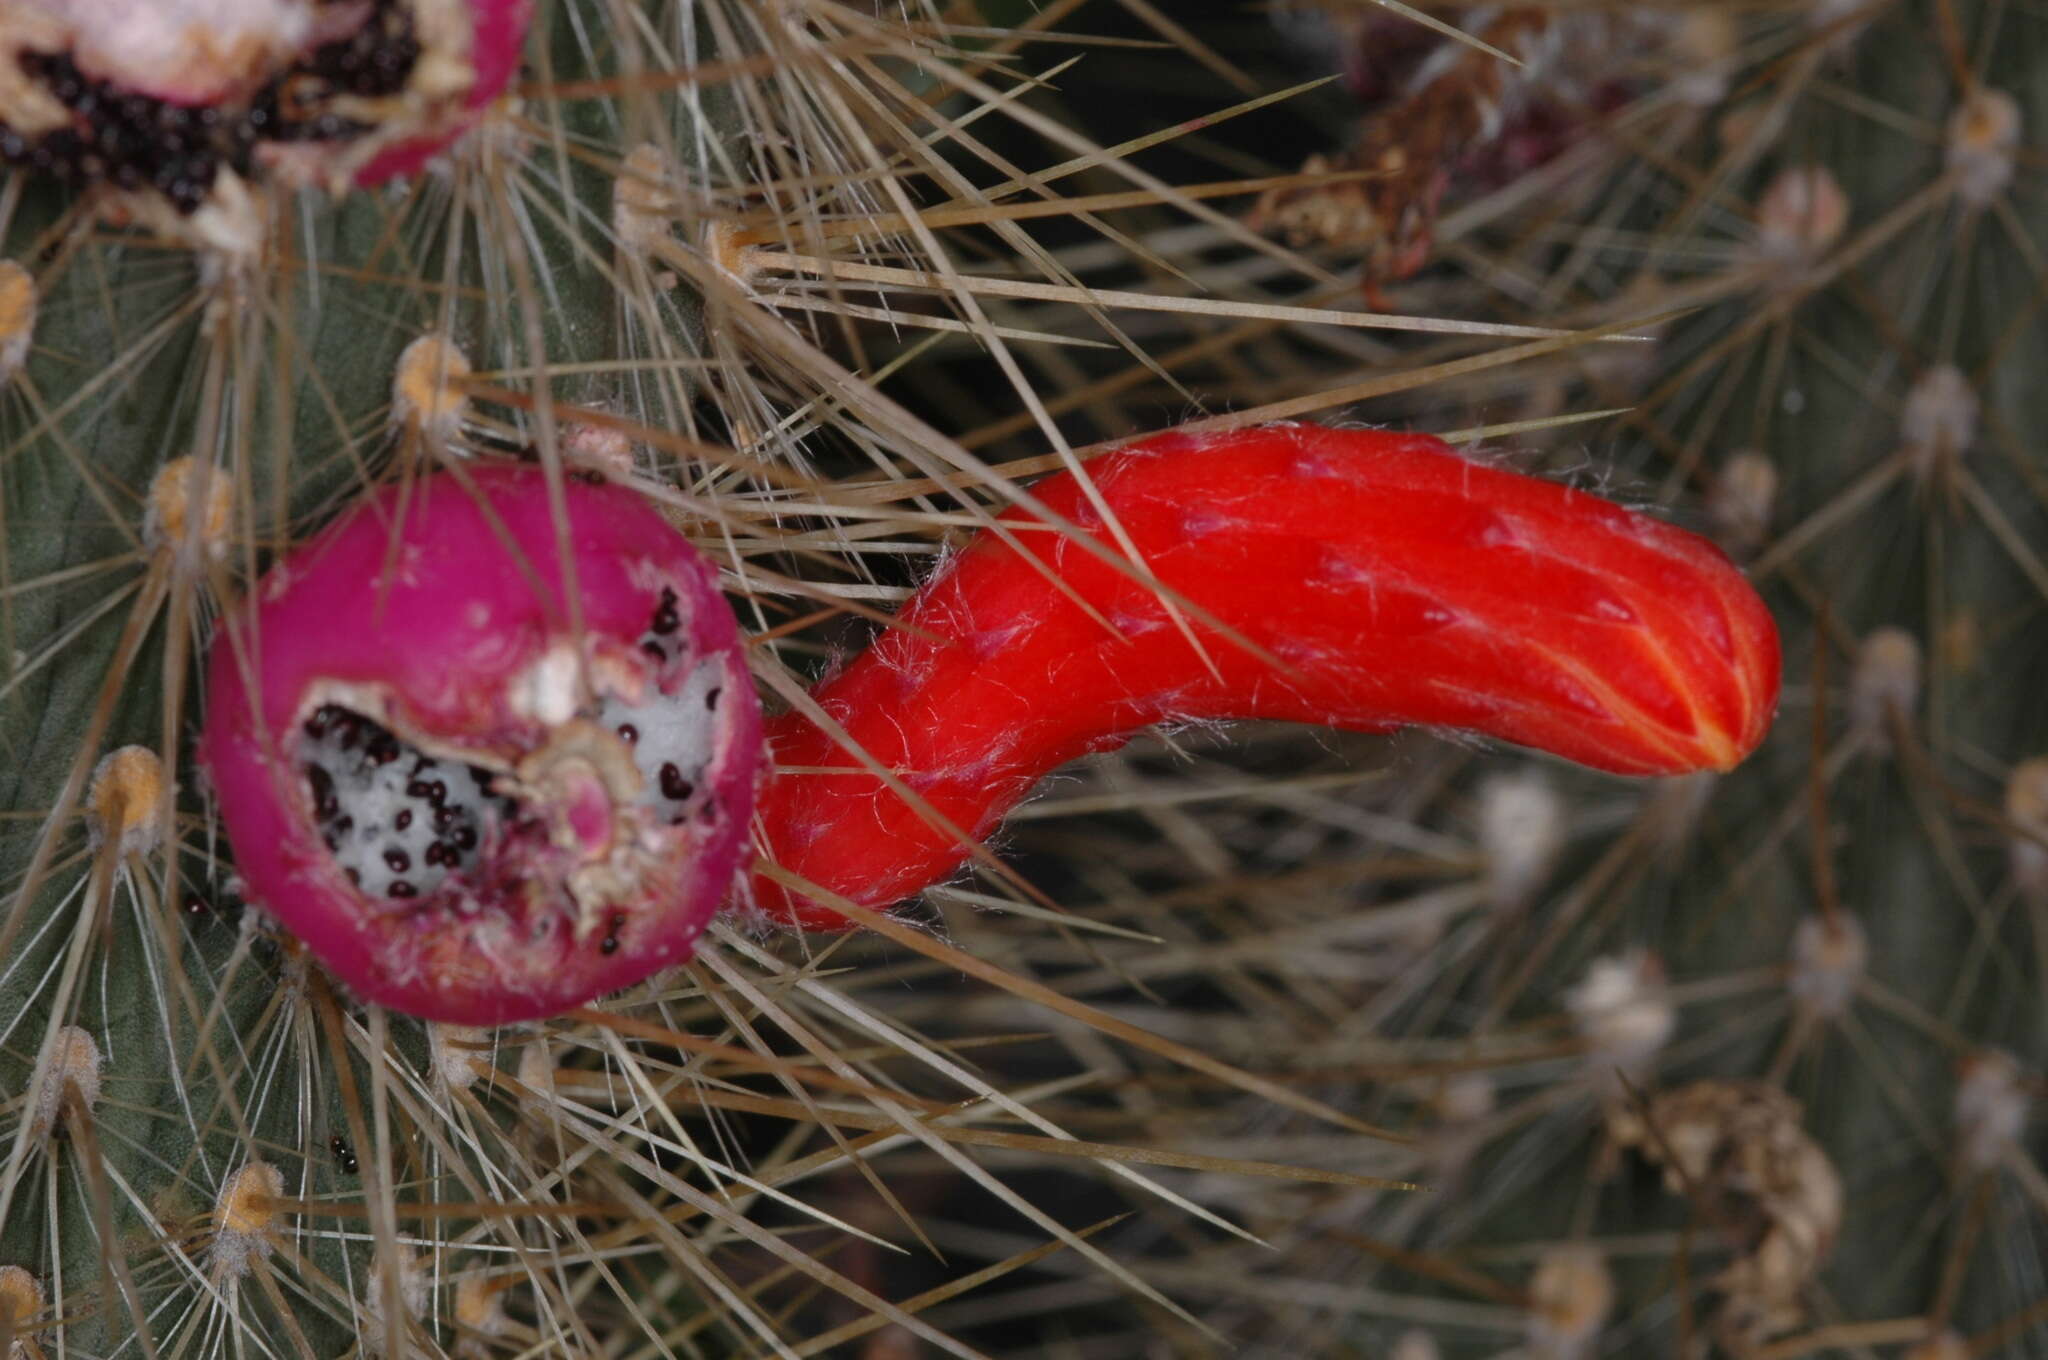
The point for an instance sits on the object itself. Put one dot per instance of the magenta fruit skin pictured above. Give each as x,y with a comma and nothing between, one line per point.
415,609
498,39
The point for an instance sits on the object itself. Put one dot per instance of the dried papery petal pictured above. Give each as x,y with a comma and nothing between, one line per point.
1366,580
125,801
467,808
1570,1297
1983,136
1829,955
1740,1149
19,303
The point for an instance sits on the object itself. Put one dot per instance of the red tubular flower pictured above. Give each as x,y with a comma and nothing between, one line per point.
1371,579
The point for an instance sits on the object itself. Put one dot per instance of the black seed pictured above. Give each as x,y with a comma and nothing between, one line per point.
346,824
325,803
443,818
434,853
437,793
354,876
418,788
653,649
666,619
401,888
673,785
322,719
398,860
711,698
403,819
465,838
628,733
333,841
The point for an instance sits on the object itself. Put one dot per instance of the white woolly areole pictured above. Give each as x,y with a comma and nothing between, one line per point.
245,1222
1939,419
1886,679
1983,137
1521,829
1829,954
1991,1109
72,1062
1570,1297
1415,1344
1623,1013
455,1050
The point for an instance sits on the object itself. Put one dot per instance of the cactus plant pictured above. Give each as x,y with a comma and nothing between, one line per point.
828,282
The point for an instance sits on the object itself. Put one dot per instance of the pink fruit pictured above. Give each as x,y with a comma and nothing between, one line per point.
415,780
1379,580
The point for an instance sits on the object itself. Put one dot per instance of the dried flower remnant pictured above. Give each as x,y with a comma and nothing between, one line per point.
470,806
1741,1149
176,110
1351,578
